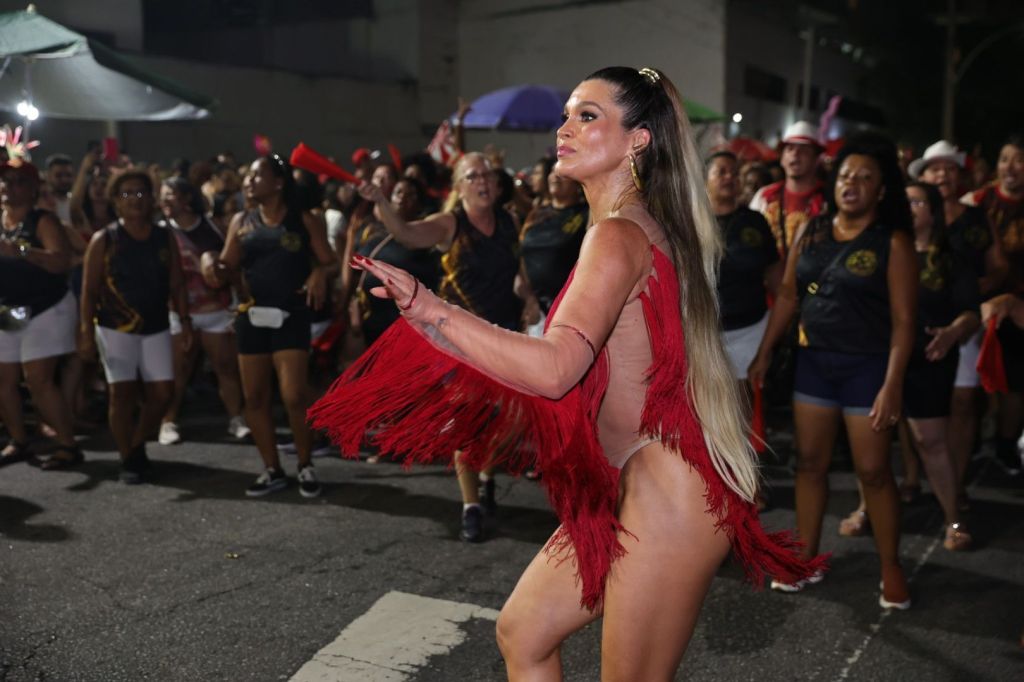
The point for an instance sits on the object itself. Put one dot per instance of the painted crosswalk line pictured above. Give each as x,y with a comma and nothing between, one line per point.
392,640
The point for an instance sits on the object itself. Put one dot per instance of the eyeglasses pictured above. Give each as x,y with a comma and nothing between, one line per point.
474,176
131,195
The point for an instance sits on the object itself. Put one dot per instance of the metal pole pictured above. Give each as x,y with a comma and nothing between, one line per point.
949,89
805,105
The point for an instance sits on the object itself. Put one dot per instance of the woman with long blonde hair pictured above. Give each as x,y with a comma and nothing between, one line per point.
480,245
639,431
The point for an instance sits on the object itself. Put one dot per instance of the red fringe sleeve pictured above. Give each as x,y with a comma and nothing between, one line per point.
414,401
669,416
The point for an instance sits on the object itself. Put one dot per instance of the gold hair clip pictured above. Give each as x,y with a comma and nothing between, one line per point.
651,75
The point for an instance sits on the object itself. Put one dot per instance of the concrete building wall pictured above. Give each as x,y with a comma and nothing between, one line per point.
755,38
420,56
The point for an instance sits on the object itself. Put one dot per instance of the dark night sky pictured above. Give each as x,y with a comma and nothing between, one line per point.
907,51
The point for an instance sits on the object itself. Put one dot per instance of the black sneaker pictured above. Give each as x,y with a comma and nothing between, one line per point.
134,465
308,485
472,524
487,500
270,481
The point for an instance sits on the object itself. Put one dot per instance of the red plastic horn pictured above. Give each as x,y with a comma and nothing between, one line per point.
305,158
396,157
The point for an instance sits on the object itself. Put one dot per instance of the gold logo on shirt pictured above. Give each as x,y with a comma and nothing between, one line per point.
164,256
978,237
291,242
750,236
862,263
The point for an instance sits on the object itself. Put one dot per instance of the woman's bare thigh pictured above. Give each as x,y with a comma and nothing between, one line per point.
654,593
543,609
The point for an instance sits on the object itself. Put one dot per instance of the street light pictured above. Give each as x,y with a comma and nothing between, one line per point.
27,110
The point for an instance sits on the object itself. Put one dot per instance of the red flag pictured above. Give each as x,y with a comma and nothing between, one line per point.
990,361
758,434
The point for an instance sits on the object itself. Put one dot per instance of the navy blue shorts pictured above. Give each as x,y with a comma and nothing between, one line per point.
848,381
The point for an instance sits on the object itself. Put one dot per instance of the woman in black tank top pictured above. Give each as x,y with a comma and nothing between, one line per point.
132,269
852,278
34,261
279,257
480,242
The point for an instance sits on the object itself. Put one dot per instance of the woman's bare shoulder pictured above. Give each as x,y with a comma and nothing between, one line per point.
617,239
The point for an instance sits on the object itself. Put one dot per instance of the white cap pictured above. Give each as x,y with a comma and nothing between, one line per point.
940,151
802,132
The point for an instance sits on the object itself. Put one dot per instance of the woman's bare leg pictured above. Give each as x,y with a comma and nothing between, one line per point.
931,438
222,350
184,365
672,560
871,460
963,422
292,367
257,374
908,446
816,428
542,611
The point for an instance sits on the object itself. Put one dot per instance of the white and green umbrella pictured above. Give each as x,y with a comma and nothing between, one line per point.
66,75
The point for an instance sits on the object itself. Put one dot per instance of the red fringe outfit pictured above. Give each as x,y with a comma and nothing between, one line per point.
422,403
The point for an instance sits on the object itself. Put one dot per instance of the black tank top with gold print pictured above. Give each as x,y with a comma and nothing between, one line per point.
479,272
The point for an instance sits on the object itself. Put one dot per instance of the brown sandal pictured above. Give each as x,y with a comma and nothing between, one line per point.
59,463
854,525
957,538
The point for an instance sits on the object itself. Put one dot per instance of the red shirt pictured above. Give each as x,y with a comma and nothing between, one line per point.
794,210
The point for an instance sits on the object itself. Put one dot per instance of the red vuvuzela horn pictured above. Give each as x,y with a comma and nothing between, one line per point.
396,157
305,158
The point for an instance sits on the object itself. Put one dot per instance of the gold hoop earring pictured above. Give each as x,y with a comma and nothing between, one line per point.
636,174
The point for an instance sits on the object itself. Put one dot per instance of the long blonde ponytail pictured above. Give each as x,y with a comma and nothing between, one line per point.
672,175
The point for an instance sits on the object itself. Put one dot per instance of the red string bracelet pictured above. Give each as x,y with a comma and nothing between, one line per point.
579,334
415,290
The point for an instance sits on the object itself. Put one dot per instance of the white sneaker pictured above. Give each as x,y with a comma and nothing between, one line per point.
237,428
309,486
169,434
813,579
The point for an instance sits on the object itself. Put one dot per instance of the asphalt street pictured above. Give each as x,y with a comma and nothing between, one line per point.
184,578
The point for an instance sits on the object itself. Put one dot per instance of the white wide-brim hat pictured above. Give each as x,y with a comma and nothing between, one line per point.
940,151
802,132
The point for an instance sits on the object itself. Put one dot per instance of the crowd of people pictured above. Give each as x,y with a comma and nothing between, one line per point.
859,287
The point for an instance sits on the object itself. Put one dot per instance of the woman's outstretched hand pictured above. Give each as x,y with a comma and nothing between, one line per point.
412,298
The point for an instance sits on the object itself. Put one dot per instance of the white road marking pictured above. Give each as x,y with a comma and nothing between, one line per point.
874,628
392,640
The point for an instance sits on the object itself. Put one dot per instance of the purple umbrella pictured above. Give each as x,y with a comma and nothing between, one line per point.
529,108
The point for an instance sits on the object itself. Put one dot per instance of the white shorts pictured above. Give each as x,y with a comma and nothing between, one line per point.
967,370
126,356
50,333
217,322
741,346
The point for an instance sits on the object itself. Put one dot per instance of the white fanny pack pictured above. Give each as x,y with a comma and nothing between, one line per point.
265,316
